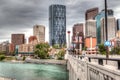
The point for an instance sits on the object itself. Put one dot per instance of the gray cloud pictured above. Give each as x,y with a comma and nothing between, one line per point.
19,16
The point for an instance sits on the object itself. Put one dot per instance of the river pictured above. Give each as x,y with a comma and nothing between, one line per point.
27,71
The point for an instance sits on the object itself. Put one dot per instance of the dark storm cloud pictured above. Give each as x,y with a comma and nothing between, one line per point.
17,16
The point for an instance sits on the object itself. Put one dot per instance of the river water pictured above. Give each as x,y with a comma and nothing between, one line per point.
25,71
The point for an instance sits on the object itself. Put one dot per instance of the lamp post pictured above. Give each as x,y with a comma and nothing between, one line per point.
73,47
107,53
78,41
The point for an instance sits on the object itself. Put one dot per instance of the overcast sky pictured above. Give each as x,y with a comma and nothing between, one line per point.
19,16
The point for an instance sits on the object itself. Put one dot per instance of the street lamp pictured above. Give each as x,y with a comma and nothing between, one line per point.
107,53
73,47
78,34
68,39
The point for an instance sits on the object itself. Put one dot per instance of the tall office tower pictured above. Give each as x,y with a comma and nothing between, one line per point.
90,28
39,32
118,24
91,13
17,39
78,28
111,29
98,23
57,24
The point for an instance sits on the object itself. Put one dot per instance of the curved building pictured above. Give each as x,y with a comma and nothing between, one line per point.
57,24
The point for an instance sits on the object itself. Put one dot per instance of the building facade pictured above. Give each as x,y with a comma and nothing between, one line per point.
17,39
4,47
57,24
91,13
39,32
11,48
111,29
90,42
98,17
32,39
90,30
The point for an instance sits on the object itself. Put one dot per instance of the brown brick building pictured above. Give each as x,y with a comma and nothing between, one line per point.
17,39
32,39
91,13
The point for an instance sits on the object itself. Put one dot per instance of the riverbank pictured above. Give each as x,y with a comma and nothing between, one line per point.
1,78
46,61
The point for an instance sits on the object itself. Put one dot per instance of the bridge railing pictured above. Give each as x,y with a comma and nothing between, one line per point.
93,68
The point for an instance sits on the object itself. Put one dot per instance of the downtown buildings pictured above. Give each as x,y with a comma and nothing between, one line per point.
57,24
38,37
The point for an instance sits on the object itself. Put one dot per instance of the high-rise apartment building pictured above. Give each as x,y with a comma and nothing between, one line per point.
17,39
90,28
110,29
91,13
39,32
57,24
98,17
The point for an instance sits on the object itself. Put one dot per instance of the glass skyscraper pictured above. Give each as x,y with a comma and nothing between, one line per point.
98,23
57,24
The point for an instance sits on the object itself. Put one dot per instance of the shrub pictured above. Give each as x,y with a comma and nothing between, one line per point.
24,58
2,57
61,54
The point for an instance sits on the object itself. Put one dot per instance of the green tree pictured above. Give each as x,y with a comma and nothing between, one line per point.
115,50
42,50
102,49
61,54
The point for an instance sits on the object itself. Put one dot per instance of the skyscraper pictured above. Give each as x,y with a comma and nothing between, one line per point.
57,24
111,29
98,23
91,13
39,32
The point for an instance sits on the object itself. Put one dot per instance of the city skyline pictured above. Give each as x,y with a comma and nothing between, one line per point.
15,18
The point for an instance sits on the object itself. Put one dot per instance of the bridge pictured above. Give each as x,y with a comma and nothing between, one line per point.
92,68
